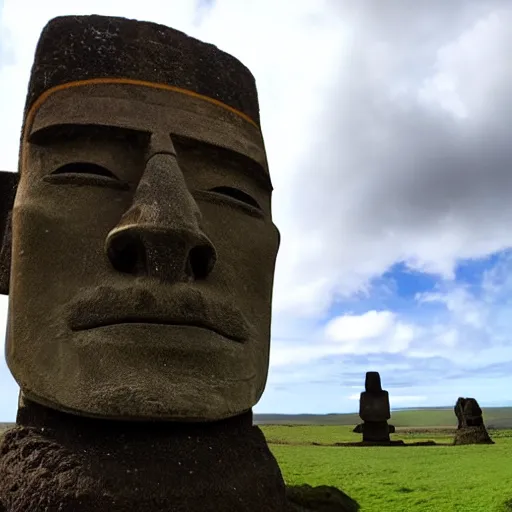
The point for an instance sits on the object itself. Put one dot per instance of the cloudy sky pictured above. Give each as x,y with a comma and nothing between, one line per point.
387,130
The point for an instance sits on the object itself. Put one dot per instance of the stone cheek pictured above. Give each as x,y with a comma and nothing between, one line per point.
374,406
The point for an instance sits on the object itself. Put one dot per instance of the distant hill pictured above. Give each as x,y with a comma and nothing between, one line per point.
494,417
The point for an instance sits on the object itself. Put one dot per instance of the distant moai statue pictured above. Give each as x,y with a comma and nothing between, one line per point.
375,411
470,428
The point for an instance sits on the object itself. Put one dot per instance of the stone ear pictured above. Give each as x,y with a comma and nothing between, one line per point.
8,186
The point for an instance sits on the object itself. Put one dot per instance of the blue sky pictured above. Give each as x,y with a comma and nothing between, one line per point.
459,344
387,131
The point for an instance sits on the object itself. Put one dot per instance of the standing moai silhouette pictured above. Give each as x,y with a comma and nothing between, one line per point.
375,411
470,423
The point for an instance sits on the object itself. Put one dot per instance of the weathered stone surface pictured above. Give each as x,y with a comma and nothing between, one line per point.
73,48
8,185
472,435
470,428
60,462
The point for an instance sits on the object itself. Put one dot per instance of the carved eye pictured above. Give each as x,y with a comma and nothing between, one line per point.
85,168
238,195
85,173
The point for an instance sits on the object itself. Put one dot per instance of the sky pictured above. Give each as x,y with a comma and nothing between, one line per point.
387,131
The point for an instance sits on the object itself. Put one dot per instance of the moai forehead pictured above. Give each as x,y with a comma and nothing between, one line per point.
372,382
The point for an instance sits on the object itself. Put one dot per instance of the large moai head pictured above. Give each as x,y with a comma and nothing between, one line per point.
143,247
374,401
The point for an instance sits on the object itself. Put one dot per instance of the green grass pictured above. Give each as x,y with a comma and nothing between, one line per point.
473,478
330,434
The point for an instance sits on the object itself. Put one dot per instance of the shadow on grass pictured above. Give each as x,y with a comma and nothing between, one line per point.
322,498
405,490
355,444
507,506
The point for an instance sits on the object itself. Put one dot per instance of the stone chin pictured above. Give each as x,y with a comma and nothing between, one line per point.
177,374
136,403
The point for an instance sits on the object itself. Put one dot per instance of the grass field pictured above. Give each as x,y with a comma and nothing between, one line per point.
445,478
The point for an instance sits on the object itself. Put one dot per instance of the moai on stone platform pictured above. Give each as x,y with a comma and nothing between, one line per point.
138,255
374,410
470,427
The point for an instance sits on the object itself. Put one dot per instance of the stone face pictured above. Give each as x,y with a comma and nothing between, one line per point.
470,428
143,216
374,410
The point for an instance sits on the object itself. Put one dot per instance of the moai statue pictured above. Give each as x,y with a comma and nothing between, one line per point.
374,410
140,285
470,427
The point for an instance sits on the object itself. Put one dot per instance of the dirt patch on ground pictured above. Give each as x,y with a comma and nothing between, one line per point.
448,431
355,444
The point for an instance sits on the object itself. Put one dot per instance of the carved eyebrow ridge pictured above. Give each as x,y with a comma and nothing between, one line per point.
245,165
59,132
69,131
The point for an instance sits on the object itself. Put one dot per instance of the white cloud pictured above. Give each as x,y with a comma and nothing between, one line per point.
350,328
461,303
373,331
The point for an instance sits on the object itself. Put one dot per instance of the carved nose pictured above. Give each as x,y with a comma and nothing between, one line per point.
151,252
160,235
